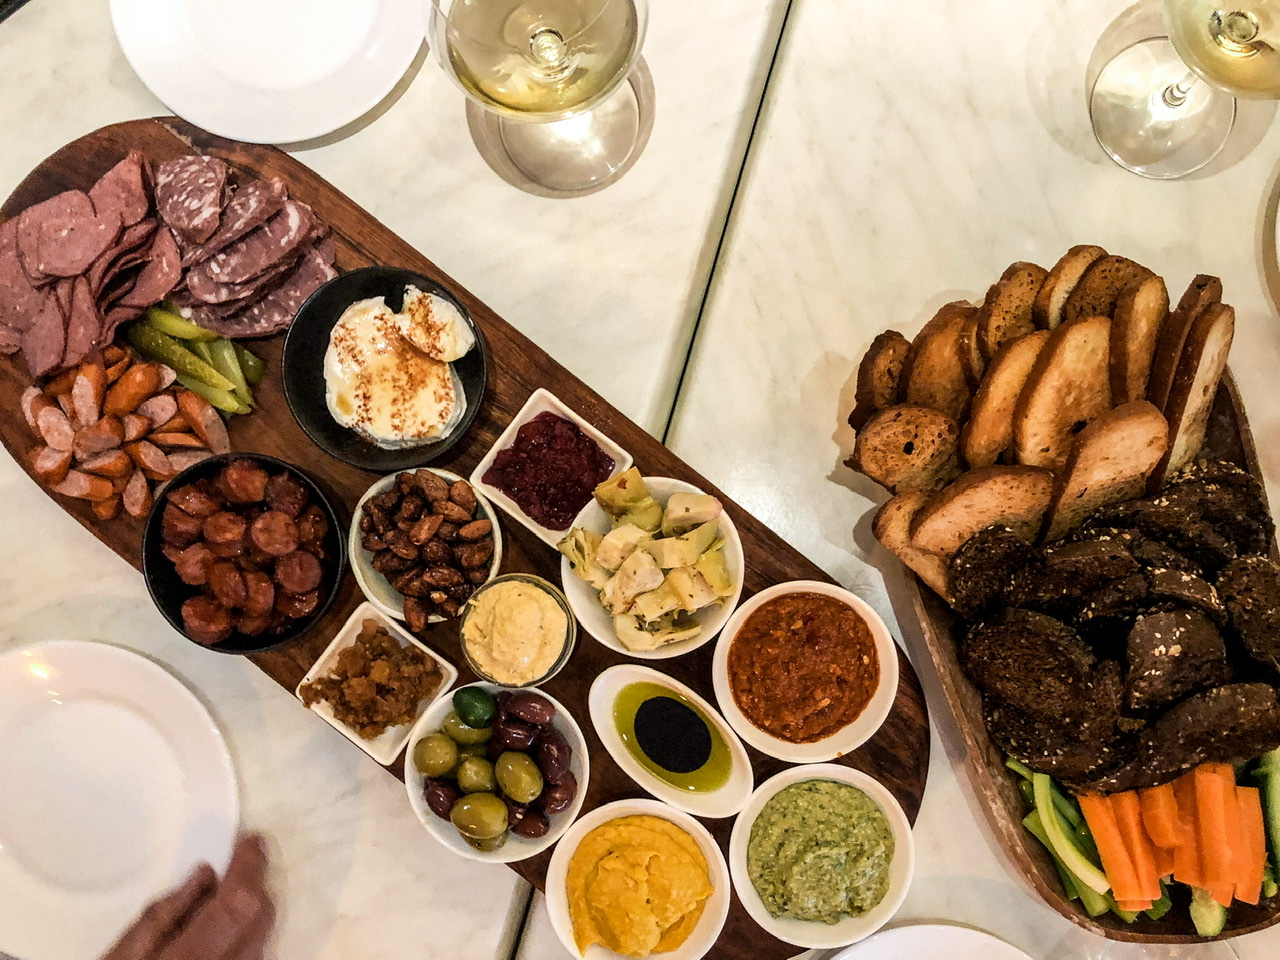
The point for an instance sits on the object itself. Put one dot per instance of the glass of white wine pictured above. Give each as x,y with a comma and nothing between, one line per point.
554,74
1164,106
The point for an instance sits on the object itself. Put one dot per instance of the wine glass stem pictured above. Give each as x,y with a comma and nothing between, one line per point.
1175,95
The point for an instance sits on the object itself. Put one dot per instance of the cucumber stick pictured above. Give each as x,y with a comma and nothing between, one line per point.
1084,871
1267,773
1207,914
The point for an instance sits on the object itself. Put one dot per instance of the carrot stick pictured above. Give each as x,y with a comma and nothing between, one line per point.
1101,818
1160,815
1253,847
1216,815
1164,860
1134,906
1222,893
1187,867
1128,811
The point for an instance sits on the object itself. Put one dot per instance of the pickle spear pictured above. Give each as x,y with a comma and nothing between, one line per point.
226,363
154,345
176,326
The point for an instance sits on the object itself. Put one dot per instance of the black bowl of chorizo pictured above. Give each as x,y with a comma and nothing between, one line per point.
243,552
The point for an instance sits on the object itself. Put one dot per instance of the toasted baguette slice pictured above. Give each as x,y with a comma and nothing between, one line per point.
1110,462
971,357
1006,311
1201,292
989,430
1068,386
1046,312
1014,496
1095,295
1204,358
1140,312
932,374
879,374
892,527
908,447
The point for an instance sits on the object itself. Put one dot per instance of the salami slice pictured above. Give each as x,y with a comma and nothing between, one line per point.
123,190
67,235
20,299
262,249
189,194
275,311
205,289
83,324
160,273
128,251
43,343
250,207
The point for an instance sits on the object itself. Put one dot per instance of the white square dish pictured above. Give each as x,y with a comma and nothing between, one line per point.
540,401
387,745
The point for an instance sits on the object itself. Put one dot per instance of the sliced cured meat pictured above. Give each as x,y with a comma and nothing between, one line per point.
250,207
189,194
160,273
298,572
276,310
275,534
124,190
44,342
205,620
126,252
83,324
10,339
263,248
286,495
204,289
242,481
62,236
20,299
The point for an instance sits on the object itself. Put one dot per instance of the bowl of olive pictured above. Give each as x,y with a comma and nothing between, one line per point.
496,774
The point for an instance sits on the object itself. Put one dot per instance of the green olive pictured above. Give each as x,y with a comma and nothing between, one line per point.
475,706
518,776
464,734
435,755
474,750
489,845
479,816
475,775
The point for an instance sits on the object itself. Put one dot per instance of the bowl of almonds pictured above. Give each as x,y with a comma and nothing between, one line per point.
422,541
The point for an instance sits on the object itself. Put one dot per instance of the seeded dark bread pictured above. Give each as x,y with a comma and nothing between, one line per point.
1110,461
985,568
1030,661
1069,572
1006,310
908,447
1250,590
1238,510
1172,654
1100,286
1202,291
1014,496
988,433
932,373
1189,591
1068,386
891,526
1149,553
879,374
1046,311
1176,527
1139,315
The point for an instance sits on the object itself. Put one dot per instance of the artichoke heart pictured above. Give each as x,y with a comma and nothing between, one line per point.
687,510
643,637
647,515
684,550
621,492
638,574
580,547
713,566
618,544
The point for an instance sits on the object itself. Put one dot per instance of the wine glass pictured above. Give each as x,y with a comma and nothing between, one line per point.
554,73
1164,106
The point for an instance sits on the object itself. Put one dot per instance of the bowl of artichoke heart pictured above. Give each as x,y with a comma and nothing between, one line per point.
821,856
652,566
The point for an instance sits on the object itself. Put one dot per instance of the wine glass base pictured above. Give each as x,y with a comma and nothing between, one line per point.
573,157
1144,133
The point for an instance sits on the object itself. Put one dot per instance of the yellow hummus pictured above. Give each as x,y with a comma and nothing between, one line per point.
514,632
636,885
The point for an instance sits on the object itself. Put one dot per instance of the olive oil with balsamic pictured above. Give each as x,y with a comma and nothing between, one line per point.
671,737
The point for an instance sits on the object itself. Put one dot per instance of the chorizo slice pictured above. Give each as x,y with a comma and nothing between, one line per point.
260,598
274,533
178,527
224,527
195,500
243,481
298,572
227,583
192,564
286,494
295,606
205,620
313,525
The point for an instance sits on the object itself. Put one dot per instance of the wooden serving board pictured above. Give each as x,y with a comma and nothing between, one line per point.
1228,439
898,755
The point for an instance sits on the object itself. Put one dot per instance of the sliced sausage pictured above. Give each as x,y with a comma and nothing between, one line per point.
227,583
295,606
224,527
299,572
260,597
179,527
192,564
286,494
205,620
195,501
275,533
313,524
243,481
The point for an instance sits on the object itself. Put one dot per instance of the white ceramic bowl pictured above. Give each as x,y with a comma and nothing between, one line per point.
540,401
714,912
387,745
847,738
725,800
375,587
584,599
810,933
516,848
551,590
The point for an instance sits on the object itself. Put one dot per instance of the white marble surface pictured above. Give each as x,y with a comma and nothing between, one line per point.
904,159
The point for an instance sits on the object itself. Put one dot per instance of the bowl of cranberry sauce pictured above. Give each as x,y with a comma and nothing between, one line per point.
543,468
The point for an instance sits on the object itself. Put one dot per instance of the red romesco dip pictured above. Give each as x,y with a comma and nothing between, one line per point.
550,470
803,666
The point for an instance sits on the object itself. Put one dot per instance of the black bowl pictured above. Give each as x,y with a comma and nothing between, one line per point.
169,592
302,368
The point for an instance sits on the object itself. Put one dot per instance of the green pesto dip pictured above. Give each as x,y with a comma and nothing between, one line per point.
820,850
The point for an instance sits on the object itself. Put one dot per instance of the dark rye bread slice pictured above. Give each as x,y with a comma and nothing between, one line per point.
1149,553
1006,309
878,376
1195,382
1099,287
1140,314
891,526
1030,661
932,373
1250,590
989,430
1069,572
1236,506
1046,311
1170,655
1108,611
1013,496
1201,292
1068,386
1177,527
1110,461
985,567
908,447
1187,590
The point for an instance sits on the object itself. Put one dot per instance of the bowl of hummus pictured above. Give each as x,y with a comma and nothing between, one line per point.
637,878
821,856
517,630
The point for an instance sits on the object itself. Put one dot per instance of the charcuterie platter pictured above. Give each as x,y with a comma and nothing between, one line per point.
897,754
